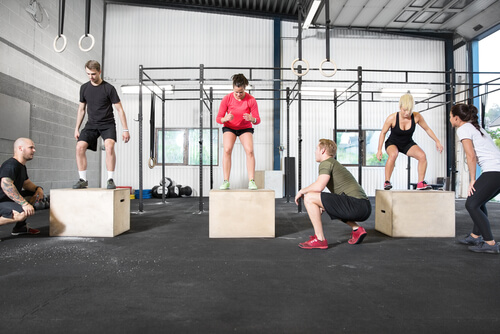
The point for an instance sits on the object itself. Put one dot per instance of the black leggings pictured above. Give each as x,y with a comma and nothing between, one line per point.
487,186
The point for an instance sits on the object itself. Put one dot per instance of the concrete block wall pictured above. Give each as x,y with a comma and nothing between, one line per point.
33,72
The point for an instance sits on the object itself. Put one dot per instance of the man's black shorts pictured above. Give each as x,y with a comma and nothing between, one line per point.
346,208
237,132
7,207
90,136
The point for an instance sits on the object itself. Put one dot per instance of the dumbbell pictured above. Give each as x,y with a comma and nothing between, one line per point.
185,191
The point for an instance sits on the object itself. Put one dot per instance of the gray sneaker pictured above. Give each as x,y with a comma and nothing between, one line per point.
81,184
111,184
471,241
483,247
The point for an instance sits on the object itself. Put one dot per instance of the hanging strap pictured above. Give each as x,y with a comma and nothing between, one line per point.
299,39
87,29
327,59
62,4
152,159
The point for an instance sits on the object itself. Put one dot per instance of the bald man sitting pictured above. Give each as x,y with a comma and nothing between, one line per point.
14,208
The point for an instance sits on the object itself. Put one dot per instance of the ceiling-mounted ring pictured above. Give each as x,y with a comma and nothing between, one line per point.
151,163
65,42
295,72
334,68
91,45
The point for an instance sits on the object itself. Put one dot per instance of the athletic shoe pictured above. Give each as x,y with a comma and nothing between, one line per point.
387,185
111,184
252,185
314,243
471,241
357,236
81,184
225,185
483,247
423,186
25,230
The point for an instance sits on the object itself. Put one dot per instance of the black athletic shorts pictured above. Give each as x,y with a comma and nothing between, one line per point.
402,147
7,207
237,132
90,136
346,208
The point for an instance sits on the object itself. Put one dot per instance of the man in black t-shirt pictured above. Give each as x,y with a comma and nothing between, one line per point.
98,97
14,208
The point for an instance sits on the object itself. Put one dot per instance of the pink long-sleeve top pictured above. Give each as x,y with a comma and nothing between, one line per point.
229,104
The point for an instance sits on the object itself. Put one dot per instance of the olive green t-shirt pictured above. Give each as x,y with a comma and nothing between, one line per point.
341,180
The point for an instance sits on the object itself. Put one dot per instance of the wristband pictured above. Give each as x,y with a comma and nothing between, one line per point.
126,130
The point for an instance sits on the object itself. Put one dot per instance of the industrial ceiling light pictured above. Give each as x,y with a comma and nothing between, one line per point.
397,92
321,91
311,14
134,89
223,88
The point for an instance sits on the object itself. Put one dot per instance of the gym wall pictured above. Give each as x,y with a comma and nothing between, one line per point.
31,71
372,51
164,38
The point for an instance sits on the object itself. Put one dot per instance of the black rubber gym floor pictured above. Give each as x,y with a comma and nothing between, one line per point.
166,276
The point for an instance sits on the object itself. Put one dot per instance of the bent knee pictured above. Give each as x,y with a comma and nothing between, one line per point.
312,198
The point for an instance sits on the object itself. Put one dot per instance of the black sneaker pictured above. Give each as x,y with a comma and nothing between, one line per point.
483,247
471,241
81,184
111,184
387,185
25,230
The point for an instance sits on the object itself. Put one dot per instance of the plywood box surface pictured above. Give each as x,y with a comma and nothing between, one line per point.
92,212
415,213
241,213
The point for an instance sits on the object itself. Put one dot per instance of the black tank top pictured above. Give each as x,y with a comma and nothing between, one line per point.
401,136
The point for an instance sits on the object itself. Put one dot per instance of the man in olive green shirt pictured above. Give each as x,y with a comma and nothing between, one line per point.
346,200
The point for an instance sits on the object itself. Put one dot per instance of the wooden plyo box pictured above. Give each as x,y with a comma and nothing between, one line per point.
270,179
92,212
241,213
415,213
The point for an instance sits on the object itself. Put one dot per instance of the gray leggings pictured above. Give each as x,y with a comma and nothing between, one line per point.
487,186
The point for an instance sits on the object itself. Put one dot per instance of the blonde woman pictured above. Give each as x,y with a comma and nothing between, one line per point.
402,125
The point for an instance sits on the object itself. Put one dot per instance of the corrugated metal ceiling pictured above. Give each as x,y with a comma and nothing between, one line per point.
465,18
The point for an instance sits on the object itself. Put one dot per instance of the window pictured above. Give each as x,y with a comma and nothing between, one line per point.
182,146
348,148
371,146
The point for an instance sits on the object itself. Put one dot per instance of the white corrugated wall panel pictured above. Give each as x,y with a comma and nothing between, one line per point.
461,60
350,49
172,38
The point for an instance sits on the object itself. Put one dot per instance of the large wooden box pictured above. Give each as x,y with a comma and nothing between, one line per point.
415,213
241,213
92,212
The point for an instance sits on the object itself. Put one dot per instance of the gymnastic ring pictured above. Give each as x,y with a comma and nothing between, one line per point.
151,163
64,44
300,74
331,62
80,42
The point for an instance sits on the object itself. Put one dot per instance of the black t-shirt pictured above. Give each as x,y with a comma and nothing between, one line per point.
99,100
15,171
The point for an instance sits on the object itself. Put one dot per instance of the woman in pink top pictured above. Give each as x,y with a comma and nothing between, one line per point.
238,111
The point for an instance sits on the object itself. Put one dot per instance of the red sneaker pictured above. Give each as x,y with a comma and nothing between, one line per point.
423,186
314,243
357,236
